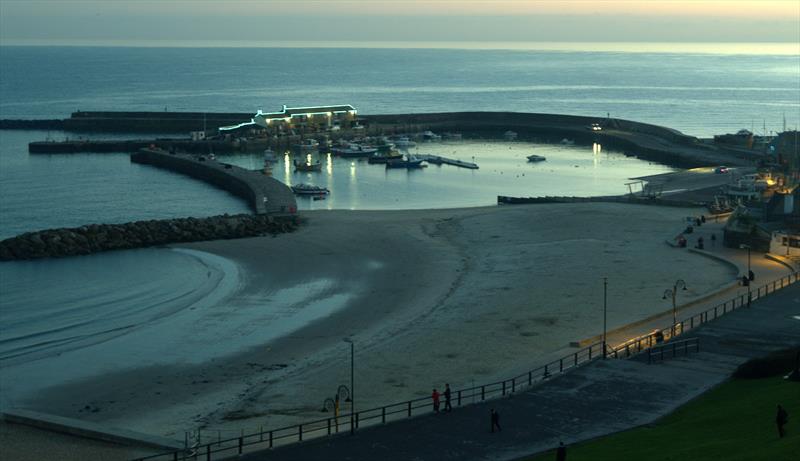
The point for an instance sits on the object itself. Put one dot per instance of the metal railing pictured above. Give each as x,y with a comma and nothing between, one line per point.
673,349
642,343
410,408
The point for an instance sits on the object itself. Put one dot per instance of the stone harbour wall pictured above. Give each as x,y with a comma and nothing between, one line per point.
95,238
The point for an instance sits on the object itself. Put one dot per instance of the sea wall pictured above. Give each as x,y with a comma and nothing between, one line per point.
95,238
264,193
153,122
647,141
643,140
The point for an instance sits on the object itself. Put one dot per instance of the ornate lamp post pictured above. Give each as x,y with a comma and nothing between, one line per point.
352,388
673,292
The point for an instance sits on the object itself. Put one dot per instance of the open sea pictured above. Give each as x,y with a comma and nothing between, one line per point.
700,92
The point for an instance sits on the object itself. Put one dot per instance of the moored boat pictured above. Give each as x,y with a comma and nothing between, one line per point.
305,146
410,162
353,151
309,189
383,158
404,143
308,166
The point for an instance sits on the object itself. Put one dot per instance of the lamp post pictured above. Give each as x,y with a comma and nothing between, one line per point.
673,292
352,386
750,275
605,307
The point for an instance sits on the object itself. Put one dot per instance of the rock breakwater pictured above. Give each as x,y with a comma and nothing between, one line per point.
95,238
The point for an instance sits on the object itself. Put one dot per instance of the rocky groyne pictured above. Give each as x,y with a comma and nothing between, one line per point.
95,238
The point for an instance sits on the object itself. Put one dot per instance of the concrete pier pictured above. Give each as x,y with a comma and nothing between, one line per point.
264,193
438,160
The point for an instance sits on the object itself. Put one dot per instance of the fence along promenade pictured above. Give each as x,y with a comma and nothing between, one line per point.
331,426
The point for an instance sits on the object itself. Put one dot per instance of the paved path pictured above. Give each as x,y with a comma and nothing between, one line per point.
594,400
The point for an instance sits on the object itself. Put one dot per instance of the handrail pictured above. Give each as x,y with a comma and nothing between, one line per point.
657,352
380,415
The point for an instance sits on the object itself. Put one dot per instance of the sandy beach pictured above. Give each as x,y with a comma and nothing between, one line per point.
459,296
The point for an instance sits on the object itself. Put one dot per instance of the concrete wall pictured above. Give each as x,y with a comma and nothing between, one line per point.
264,194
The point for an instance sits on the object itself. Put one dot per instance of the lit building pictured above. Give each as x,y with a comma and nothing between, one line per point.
324,117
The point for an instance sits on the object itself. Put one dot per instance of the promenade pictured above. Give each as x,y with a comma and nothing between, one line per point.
599,399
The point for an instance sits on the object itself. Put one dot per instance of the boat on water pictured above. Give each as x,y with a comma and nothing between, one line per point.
536,158
305,146
270,156
353,151
383,158
310,189
410,162
404,143
430,136
308,166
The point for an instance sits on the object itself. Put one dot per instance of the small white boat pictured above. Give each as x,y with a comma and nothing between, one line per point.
536,158
510,135
404,143
431,136
306,145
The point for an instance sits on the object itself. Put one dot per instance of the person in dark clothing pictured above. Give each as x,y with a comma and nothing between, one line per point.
495,420
713,240
561,452
781,418
435,398
447,406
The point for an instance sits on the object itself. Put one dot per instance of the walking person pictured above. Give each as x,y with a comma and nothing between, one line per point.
495,417
781,418
561,452
435,398
447,407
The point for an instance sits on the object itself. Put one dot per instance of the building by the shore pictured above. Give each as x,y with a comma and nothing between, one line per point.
319,117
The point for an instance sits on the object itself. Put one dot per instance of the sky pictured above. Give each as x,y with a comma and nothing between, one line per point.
67,22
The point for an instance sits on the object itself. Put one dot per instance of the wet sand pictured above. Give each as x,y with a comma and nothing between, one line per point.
435,296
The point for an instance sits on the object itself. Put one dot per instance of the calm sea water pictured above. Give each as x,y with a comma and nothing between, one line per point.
698,93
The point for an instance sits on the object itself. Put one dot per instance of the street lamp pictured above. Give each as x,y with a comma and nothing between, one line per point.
351,398
673,292
605,306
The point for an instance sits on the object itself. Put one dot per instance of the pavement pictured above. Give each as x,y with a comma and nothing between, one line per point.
603,397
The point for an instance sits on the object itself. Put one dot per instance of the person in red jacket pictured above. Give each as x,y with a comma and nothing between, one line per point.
435,397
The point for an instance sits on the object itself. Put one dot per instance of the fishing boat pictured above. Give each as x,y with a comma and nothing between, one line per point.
353,151
536,158
308,166
309,189
383,158
410,162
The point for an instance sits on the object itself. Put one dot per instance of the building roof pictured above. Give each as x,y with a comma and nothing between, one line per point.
292,111
261,117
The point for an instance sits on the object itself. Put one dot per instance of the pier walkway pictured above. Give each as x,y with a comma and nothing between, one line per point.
604,397
266,195
438,160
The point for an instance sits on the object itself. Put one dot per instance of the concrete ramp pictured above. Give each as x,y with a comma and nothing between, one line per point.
88,430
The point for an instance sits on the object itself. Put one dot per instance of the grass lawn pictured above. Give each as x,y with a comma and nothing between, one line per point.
735,421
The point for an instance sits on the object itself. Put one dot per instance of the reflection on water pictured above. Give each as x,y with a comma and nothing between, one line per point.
504,170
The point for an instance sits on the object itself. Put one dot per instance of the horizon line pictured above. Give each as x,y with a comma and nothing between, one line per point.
722,47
